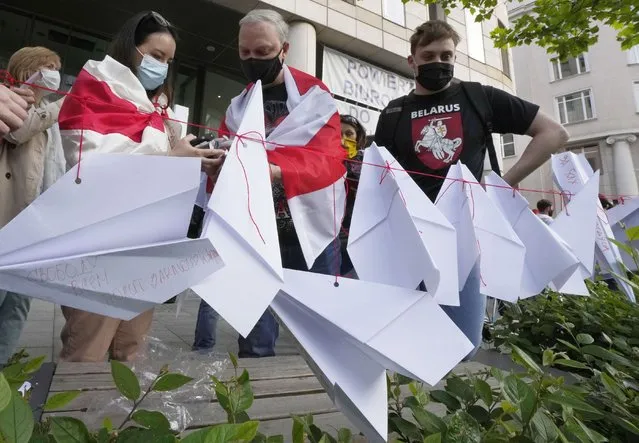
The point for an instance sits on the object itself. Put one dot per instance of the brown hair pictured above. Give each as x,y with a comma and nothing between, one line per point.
431,31
26,61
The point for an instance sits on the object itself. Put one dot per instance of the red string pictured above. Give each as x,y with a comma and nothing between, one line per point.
248,188
4,75
78,180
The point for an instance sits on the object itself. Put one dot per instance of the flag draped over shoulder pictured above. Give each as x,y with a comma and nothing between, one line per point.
109,109
306,145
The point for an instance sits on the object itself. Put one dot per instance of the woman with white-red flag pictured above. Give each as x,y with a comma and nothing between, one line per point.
304,148
120,105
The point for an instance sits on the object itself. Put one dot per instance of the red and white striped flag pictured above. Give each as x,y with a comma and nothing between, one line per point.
306,145
109,110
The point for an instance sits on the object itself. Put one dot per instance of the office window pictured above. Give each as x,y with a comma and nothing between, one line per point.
508,145
474,37
505,56
633,55
436,12
570,67
592,154
394,11
636,88
575,107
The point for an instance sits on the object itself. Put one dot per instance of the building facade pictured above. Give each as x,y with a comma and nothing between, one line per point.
358,47
596,97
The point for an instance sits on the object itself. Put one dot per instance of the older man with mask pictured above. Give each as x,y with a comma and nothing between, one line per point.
303,138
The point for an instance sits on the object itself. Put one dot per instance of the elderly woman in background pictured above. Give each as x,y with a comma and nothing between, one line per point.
23,155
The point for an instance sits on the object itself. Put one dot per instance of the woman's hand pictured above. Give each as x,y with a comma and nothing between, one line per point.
212,159
276,174
13,110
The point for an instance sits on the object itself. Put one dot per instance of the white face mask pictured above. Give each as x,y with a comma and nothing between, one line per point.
50,79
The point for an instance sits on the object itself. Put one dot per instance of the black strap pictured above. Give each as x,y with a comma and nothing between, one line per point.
479,101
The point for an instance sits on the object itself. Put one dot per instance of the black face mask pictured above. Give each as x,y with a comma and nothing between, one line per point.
258,69
435,76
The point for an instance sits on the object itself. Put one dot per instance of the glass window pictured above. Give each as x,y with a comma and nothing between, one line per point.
13,34
575,107
636,88
633,55
474,37
218,92
505,56
394,11
185,90
592,154
570,67
508,145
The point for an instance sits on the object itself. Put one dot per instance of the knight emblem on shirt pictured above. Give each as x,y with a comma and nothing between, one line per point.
438,139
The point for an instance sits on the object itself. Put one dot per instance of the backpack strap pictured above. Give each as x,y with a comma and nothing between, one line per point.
391,115
479,101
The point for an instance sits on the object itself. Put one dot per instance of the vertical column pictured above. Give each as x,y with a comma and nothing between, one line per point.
624,170
302,54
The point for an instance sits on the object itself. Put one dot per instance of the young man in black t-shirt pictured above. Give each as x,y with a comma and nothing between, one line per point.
437,125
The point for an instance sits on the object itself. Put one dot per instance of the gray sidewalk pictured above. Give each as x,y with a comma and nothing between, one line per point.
41,335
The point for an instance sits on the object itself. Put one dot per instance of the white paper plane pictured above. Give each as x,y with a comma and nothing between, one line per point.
98,243
397,235
240,221
501,251
571,174
397,321
576,225
623,217
354,381
547,257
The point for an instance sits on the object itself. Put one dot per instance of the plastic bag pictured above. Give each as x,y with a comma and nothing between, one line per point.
179,405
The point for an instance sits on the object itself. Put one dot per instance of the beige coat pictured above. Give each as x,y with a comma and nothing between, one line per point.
22,154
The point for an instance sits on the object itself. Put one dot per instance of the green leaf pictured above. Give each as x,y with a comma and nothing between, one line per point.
462,428
102,437
141,435
428,421
61,399
479,413
125,380
633,233
170,382
613,387
244,432
33,366
404,427
569,345
198,436
69,430
622,422
585,339
571,363
276,439
547,358
245,400
526,360
234,361
108,424
344,435
445,398
485,392
544,427
5,392
16,420
519,393
571,402
298,430
433,438
243,378
151,419
604,354
460,388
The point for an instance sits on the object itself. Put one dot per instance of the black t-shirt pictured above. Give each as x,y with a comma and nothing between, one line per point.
435,131
275,110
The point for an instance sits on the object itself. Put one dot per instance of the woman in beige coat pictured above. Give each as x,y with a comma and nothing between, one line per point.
145,45
22,161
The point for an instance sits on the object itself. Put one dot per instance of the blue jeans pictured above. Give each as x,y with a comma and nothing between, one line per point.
261,340
14,309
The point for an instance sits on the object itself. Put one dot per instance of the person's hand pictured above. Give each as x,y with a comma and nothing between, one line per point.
27,94
13,110
212,159
276,174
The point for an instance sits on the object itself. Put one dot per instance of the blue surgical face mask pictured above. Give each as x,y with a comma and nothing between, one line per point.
151,72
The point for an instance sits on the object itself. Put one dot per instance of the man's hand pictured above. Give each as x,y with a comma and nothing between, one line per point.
13,110
276,174
212,159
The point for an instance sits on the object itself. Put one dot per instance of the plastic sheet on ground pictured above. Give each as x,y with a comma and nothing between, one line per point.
179,406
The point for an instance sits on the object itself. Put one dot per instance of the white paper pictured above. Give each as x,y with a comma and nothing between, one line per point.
240,221
397,235
625,213
355,382
577,226
571,172
547,257
501,251
398,322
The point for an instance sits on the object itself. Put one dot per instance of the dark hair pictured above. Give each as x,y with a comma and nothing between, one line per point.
359,129
431,31
132,34
543,204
